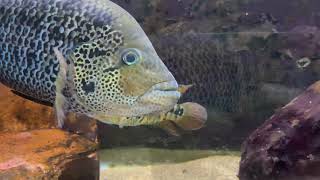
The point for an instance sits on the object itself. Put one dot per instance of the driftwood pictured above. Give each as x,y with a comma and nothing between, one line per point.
47,154
286,146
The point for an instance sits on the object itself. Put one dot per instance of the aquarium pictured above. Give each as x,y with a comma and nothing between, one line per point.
160,89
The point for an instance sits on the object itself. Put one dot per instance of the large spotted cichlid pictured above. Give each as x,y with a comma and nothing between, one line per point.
84,56
230,83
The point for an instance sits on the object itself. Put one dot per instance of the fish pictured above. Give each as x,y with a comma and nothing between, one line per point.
84,56
222,80
183,117
229,83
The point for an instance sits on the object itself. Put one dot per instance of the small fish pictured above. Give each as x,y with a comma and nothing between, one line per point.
83,56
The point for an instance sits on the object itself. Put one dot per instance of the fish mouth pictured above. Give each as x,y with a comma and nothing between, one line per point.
166,86
164,94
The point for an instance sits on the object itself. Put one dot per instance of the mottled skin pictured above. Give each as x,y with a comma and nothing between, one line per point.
92,37
222,80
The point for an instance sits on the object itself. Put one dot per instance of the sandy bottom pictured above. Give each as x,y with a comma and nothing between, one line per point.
216,167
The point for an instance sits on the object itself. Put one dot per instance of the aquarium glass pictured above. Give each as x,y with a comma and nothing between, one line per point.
247,72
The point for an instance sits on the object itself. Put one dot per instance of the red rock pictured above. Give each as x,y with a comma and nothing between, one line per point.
19,114
47,154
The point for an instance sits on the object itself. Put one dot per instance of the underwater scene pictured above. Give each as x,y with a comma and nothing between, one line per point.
160,89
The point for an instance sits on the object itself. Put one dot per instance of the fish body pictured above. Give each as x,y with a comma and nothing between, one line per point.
222,80
183,117
230,84
91,53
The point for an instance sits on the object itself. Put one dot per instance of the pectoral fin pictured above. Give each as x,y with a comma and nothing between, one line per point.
60,84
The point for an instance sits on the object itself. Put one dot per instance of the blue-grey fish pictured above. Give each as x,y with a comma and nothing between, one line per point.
84,56
228,83
223,80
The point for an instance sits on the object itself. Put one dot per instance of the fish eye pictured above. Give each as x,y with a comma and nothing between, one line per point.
131,56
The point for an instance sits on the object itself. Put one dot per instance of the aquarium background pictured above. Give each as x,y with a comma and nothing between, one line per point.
245,60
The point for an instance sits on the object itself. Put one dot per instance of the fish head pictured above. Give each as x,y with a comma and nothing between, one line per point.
120,74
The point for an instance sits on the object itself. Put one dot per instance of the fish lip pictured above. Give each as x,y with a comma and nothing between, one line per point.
166,89
166,86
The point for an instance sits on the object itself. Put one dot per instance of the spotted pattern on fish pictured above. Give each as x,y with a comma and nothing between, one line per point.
223,80
73,54
29,30
177,113
87,59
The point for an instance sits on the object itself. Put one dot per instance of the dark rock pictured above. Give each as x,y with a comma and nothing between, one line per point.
287,145
288,13
303,41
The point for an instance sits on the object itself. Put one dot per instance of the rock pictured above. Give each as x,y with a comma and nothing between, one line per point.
43,154
47,154
82,125
292,16
19,114
287,145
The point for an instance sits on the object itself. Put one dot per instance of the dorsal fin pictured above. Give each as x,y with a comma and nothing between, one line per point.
46,103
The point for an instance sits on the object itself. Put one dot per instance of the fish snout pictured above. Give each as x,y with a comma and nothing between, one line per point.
162,93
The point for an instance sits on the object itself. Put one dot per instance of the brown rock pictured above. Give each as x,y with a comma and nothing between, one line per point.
19,114
47,154
286,146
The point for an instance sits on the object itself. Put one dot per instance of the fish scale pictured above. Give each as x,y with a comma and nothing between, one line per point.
29,30
83,56
221,79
